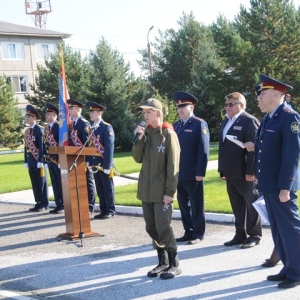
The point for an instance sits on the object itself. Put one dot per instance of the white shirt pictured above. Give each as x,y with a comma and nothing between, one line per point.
230,123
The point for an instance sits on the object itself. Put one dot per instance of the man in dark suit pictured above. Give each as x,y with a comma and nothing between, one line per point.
193,136
102,139
236,165
277,151
78,135
51,139
34,159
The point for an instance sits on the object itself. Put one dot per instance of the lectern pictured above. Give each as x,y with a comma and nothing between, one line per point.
67,156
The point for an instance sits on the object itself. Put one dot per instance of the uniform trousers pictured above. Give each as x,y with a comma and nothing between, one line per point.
55,176
190,195
90,190
158,225
106,192
39,187
285,227
247,219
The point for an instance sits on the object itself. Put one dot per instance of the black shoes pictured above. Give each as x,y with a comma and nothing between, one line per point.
100,216
184,239
57,210
194,241
269,264
103,216
233,242
277,277
288,284
37,208
107,216
250,242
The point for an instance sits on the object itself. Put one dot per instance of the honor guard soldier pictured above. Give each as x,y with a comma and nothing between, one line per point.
51,139
34,159
102,139
277,151
193,137
78,135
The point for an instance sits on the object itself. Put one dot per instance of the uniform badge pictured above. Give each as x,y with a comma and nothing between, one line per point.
204,130
161,149
237,127
110,133
295,127
87,129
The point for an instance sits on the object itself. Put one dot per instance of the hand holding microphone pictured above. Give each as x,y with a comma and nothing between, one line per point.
139,132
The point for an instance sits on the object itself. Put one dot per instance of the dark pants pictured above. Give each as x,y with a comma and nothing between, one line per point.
39,187
247,220
158,225
106,192
193,216
90,190
55,176
285,227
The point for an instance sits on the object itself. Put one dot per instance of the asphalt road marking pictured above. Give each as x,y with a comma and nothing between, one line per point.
13,295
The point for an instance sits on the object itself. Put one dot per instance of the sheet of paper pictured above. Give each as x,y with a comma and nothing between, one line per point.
261,208
233,139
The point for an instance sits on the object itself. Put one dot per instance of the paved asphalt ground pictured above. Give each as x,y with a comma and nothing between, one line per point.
113,265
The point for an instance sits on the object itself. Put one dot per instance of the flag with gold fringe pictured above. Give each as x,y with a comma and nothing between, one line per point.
63,96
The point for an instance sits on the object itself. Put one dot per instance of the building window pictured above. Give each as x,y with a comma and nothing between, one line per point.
45,50
19,83
12,50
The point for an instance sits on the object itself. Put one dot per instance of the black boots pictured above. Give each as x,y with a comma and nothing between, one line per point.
163,263
173,269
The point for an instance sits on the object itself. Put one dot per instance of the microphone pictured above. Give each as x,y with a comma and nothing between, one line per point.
137,135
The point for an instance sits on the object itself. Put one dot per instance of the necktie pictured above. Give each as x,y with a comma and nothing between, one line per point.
181,124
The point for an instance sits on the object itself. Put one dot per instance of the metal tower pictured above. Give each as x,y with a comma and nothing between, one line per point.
39,11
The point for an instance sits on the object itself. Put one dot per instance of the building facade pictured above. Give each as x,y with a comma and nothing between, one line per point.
22,49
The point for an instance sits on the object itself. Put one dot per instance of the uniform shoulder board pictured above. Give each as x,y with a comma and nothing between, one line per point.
287,109
106,123
41,127
199,119
84,120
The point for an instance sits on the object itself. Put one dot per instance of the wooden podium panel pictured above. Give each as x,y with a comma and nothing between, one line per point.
73,182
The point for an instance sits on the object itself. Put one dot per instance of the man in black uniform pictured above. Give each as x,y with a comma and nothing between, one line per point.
34,160
193,136
51,139
78,135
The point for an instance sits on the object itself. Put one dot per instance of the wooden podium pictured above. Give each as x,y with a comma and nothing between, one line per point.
67,156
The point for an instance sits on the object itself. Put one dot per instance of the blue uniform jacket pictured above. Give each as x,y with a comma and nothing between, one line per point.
277,151
37,138
54,132
105,134
193,137
82,129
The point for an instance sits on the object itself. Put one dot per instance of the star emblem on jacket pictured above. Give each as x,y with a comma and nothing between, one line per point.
161,148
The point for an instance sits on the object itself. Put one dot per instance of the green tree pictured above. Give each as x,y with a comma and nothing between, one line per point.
46,84
112,84
10,117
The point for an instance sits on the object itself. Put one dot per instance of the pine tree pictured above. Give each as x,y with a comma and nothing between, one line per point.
10,117
109,84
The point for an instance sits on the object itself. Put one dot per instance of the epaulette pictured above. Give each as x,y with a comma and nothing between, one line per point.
106,123
84,120
287,109
199,119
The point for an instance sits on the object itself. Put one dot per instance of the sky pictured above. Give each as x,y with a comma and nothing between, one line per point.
124,24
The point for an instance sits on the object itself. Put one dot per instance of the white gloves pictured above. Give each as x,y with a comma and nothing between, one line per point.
39,165
46,165
87,164
106,171
26,165
58,166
